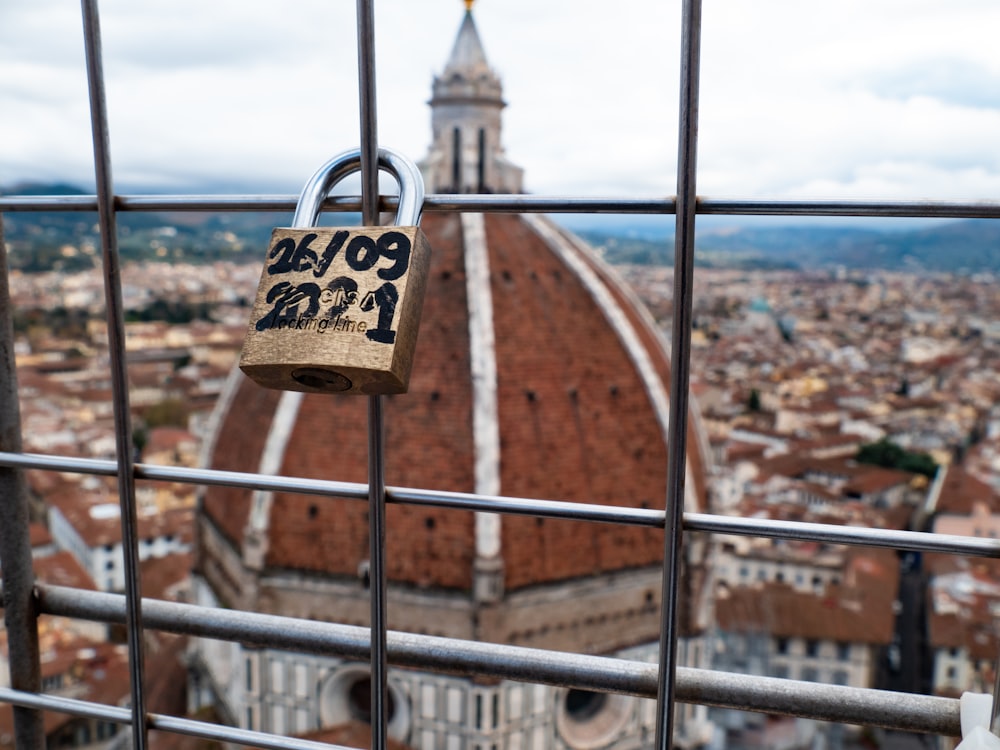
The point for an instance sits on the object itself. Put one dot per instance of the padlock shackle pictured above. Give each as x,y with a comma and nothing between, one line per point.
411,186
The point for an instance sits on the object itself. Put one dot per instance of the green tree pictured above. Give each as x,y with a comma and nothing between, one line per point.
892,456
140,436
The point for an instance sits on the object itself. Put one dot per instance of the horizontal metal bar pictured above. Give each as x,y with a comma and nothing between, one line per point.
902,209
106,467
437,202
908,712
455,500
915,713
520,203
162,722
905,540
917,541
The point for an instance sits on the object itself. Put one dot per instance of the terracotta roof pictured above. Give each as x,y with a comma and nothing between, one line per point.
161,576
39,534
952,630
63,569
961,490
167,438
740,451
95,518
351,734
876,479
838,440
781,611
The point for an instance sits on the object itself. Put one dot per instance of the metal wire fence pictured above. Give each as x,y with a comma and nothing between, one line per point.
667,682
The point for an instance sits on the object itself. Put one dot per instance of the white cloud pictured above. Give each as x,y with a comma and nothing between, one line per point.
884,98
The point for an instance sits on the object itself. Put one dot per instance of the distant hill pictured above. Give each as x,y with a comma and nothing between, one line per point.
971,245
69,241
46,241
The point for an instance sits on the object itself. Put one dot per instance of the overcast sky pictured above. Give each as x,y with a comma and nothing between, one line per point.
856,99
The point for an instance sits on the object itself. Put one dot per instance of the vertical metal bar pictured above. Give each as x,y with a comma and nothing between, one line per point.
680,361
369,114
995,710
119,371
20,615
376,535
376,421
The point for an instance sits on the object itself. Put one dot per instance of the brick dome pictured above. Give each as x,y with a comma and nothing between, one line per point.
537,374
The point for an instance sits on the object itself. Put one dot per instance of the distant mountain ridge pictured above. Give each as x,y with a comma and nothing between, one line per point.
41,241
966,246
69,240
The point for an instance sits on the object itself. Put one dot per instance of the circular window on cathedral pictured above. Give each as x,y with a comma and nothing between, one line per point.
588,720
346,696
359,700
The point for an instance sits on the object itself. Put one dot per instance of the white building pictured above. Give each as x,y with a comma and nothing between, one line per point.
91,531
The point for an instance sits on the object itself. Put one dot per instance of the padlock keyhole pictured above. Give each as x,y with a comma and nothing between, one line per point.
321,380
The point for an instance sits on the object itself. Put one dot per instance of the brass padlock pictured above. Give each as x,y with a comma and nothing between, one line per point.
337,309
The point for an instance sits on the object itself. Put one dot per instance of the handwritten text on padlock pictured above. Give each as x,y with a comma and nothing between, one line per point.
311,307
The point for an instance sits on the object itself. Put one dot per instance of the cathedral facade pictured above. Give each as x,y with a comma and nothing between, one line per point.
537,374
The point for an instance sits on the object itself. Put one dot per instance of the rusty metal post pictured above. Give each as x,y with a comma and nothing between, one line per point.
20,614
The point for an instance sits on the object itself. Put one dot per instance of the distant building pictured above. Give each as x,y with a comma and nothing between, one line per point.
91,531
84,670
964,596
832,629
537,374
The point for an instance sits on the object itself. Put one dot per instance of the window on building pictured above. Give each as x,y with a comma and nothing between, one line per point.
812,648
583,705
82,734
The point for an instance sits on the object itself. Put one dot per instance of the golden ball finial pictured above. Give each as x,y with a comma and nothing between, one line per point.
468,5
